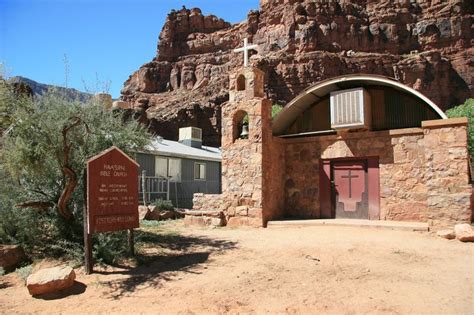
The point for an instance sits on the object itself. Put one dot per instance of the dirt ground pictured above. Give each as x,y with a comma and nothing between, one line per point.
336,270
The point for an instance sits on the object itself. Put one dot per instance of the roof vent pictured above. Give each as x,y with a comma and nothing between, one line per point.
191,136
350,109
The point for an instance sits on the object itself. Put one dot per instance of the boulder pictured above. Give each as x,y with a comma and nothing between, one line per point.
447,234
153,214
143,212
464,232
11,256
166,215
50,280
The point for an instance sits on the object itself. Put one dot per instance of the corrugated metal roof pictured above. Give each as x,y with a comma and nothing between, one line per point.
177,149
312,94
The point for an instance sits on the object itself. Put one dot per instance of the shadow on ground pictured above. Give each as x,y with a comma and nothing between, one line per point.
160,257
4,284
76,289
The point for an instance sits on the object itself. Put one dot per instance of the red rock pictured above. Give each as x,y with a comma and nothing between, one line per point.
50,280
153,214
447,234
11,256
464,232
300,44
166,215
143,212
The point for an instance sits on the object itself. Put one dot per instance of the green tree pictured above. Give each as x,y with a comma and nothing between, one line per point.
466,110
276,109
49,141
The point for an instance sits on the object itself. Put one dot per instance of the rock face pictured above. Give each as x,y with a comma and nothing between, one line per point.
425,44
50,280
30,87
11,256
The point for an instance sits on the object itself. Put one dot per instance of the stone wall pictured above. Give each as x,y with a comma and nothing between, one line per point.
208,210
447,171
273,178
423,171
241,201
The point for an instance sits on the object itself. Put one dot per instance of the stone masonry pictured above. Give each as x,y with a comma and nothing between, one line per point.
423,172
246,163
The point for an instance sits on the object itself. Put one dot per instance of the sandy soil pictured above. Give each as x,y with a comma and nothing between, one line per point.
337,270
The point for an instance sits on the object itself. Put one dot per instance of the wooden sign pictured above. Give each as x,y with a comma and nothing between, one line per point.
112,192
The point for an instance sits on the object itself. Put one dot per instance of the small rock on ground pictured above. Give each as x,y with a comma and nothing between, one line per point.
143,212
447,234
50,280
11,256
464,232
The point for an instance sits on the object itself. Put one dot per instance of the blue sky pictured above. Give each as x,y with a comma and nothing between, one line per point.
103,40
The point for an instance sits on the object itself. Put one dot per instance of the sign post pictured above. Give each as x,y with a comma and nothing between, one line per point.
112,198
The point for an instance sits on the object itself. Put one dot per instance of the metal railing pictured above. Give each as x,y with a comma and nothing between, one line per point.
151,188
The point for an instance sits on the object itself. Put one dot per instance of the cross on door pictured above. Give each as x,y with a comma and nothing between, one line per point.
350,177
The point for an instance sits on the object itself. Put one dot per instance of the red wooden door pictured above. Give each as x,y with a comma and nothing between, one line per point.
350,189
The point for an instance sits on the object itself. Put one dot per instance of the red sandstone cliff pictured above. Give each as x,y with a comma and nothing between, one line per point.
301,43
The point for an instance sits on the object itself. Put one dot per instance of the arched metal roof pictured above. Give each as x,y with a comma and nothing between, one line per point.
314,93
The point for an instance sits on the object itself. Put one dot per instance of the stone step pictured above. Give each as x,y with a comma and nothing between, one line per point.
378,224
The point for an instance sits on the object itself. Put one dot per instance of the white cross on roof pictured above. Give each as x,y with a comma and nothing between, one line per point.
246,49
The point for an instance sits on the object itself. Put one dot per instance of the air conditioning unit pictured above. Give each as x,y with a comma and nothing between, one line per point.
350,109
191,136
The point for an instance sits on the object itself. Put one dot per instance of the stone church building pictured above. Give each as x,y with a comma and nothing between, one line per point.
356,146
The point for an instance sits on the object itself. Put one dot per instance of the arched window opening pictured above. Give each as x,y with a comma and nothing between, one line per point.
240,125
240,83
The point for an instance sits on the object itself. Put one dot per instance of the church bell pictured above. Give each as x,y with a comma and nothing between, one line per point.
245,132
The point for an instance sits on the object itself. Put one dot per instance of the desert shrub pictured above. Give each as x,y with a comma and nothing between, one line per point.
35,170
42,234
24,272
276,109
109,247
162,204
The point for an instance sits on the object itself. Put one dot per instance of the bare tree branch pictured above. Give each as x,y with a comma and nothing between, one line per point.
40,205
68,172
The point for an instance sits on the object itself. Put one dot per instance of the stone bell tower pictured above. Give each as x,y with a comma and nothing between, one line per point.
242,156
251,192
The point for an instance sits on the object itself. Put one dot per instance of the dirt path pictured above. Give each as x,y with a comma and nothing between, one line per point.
306,270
